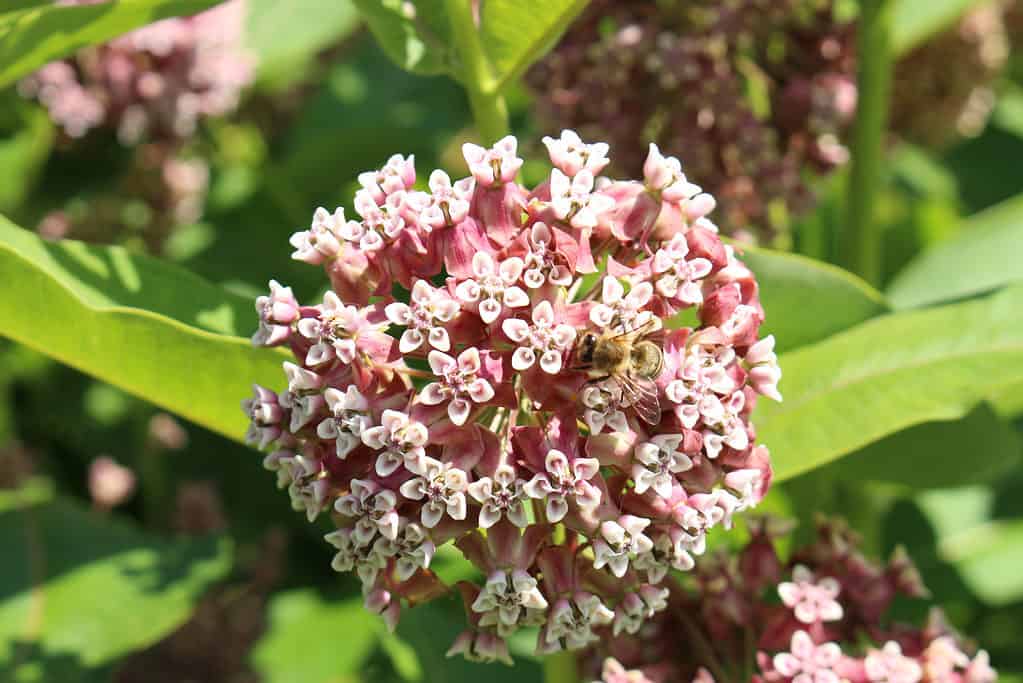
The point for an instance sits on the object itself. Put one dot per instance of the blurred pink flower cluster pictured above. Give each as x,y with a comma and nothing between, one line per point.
490,368
156,81
753,92
819,618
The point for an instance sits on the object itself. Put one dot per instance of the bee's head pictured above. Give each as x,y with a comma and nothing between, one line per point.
584,352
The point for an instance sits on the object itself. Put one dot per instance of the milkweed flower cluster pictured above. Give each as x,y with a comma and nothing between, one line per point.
152,87
818,618
749,117
157,81
489,369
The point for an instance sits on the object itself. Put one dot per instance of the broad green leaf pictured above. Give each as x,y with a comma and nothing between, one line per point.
988,558
32,37
914,21
806,300
285,34
23,151
156,331
889,374
80,589
984,256
285,653
516,33
974,449
413,34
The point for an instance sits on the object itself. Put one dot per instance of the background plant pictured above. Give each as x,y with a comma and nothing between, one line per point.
902,403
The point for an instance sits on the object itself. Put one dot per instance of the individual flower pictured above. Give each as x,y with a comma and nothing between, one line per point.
620,540
811,599
493,166
544,340
440,485
562,482
889,665
657,461
461,384
348,419
808,663
493,287
618,307
571,155
573,620
398,439
424,317
508,601
575,201
277,312
504,495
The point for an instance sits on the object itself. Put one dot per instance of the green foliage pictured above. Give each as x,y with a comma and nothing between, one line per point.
38,34
888,374
416,35
143,325
984,256
914,21
283,654
79,590
806,301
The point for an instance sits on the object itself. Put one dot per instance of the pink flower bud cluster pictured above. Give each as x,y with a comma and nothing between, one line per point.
819,618
750,118
157,81
489,369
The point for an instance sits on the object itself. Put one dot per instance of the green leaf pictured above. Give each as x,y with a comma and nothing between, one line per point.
984,256
889,374
914,21
32,37
150,328
23,153
285,34
516,33
973,449
285,655
988,559
80,589
413,34
805,300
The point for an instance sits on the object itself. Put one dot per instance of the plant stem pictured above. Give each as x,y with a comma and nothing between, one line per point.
488,106
861,238
560,667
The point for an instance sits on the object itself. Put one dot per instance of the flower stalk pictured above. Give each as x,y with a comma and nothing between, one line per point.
861,237
489,109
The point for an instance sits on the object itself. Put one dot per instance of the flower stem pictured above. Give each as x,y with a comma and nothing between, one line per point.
488,106
861,238
560,667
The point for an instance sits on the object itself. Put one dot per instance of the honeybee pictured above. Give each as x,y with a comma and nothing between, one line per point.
630,360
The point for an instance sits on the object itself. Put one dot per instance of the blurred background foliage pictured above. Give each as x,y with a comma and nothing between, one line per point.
204,574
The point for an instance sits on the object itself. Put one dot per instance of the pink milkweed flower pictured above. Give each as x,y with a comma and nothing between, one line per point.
572,621
441,486
322,241
807,662
481,646
333,332
493,287
510,600
664,175
449,203
638,607
616,305
461,384
410,548
658,460
811,600
354,555
602,405
373,508
266,415
941,659
575,201
398,439
110,483
619,541
543,339
397,175
495,166
502,496
614,672
571,155
276,312
547,257
676,277
562,482
348,419
889,665
764,372
424,318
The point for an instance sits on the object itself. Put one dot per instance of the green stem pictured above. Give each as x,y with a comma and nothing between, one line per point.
560,667
861,238
488,106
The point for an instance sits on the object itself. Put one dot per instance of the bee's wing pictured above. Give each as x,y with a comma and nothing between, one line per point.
649,327
641,394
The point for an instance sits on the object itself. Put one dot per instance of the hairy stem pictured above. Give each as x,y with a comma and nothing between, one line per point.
861,238
488,106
